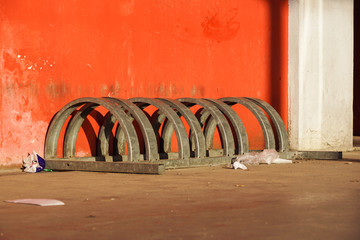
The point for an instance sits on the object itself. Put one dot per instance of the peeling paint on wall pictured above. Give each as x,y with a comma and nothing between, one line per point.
18,130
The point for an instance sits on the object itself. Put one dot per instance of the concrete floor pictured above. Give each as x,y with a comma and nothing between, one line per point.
304,200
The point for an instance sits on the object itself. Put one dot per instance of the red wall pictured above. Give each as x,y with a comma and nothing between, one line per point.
55,51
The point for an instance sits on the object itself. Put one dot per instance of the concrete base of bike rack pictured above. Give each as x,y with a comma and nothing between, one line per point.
114,164
91,165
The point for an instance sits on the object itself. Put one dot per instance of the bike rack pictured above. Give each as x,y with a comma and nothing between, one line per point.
137,130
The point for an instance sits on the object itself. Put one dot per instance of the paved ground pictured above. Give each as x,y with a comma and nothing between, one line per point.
305,200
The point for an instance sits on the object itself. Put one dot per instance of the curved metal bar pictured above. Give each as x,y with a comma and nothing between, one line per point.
156,119
224,127
54,129
236,123
58,121
120,141
73,128
207,121
166,136
260,116
202,115
180,131
209,124
151,151
103,136
119,144
196,134
283,137
105,132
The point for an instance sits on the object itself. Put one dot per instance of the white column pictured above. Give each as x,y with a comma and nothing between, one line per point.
321,75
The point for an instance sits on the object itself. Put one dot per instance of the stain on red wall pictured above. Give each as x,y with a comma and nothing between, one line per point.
55,51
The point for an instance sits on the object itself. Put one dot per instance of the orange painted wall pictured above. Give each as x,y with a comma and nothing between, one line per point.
55,51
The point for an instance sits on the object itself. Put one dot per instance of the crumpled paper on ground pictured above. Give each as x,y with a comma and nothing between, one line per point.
33,163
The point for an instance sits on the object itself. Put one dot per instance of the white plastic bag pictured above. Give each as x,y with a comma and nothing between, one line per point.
33,163
268,156
237,165
255,158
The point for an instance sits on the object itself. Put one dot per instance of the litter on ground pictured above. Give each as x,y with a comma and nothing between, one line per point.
33,163
37,201
268,156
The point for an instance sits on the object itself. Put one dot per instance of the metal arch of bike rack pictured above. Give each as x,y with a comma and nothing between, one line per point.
224,127
151,151
59,119
210,124
269,137
105,131
171,115
196,136
236,123
283,137
73,128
